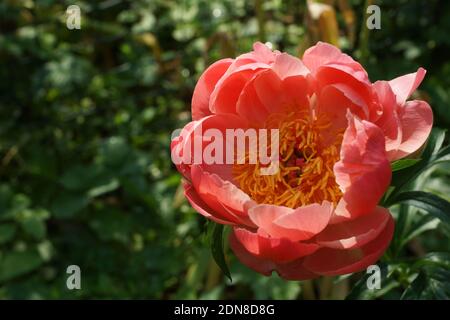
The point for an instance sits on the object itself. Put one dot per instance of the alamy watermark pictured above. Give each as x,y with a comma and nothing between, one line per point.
73,20
238,146
74,279
374,280
374,20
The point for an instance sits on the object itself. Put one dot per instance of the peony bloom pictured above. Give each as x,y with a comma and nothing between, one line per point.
338,133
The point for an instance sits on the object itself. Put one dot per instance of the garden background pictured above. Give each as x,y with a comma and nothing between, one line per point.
85,123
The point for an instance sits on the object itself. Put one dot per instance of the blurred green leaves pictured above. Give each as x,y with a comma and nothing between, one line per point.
15,264
85,123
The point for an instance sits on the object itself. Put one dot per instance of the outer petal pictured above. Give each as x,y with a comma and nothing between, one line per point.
355,233
213,183
357,91
336,262
205,86
416,119
405,85
278,250
295,225
180,154
363,172
260,53
260,265
387,118
228,89
324,54
227,201
200,206
263,215
295,270
196,140
286,66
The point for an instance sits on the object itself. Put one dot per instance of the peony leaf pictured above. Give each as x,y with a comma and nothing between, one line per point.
432,154
403,164
361,291
433,279
416,288
216,241
429,202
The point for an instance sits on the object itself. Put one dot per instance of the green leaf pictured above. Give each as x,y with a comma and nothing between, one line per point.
95,180
433,279
403,164
434,143
33,222
7,232
14,264
68,204
35,227
416,288
424,224
429,202
434,258
217,249
360,291
113,152
108,186
429,157
401,228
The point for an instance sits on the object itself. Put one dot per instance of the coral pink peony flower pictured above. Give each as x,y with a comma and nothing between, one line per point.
338,132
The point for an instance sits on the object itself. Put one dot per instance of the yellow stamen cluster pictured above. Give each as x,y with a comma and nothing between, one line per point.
307,157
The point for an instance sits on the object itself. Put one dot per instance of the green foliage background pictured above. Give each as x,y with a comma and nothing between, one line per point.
85,123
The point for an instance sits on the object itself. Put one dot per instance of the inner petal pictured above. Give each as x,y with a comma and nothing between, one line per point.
308,150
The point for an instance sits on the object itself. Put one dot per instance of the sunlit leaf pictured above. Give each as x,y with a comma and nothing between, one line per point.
403,164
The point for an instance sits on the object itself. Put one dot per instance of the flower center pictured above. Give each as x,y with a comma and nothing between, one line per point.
307,152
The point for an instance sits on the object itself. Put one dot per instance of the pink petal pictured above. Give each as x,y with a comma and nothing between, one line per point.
200,206
205,86
416,118
363,172
180,155
260,265
334,100
266,93
297,90
295,270
360,92
405,85
304,222
227,201
263,215
354,233
295,225
332,262
273,249
268,88
287,66
226,93
388,119
250,106
263,53
324,54
198,142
